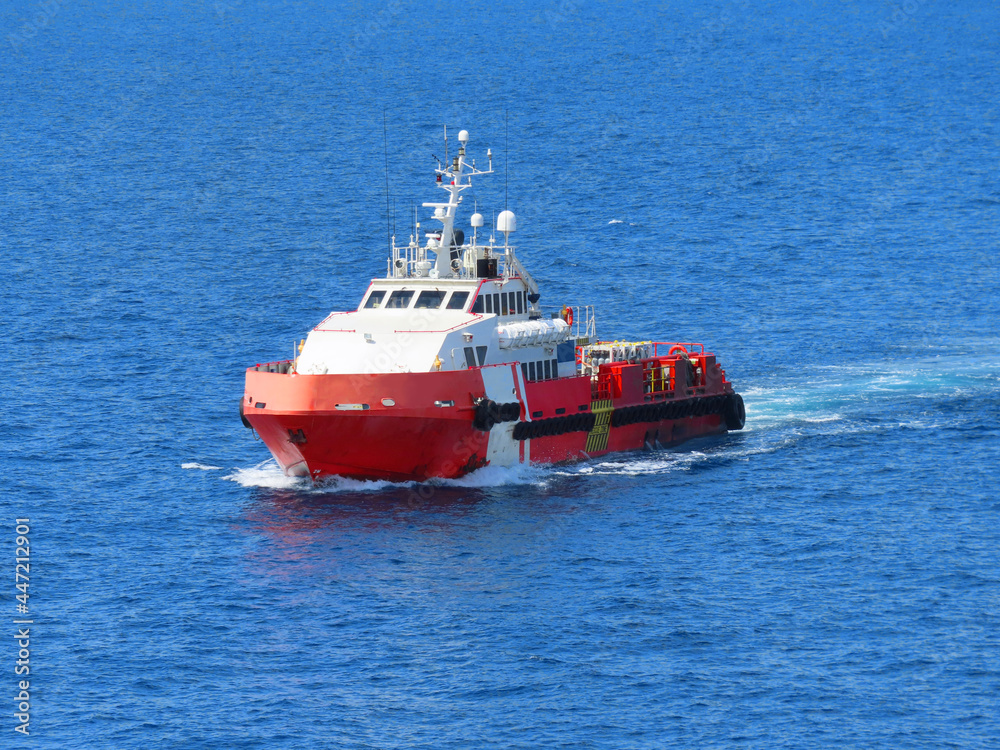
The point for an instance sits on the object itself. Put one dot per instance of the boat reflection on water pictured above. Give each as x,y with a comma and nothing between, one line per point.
314,508
337,526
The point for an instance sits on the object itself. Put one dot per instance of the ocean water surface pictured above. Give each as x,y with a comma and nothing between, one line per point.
809,189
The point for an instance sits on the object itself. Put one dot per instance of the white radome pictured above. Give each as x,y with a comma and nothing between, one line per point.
506,222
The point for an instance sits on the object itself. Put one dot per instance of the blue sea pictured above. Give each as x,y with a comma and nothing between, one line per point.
810,189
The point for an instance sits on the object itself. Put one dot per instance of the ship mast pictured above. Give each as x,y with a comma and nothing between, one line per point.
450,178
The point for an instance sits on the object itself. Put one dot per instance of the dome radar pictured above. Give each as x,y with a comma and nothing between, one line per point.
507,222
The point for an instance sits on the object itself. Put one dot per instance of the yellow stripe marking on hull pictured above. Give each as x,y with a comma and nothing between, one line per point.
597,439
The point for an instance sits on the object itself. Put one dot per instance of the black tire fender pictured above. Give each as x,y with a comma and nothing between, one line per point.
735,413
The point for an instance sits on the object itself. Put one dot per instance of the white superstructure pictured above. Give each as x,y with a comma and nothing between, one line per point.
447,304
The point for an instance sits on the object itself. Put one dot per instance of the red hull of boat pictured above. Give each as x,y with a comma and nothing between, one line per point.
414,426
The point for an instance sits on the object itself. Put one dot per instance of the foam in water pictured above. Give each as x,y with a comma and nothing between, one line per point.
652,463
661,462
837,392
200,467
496,476
268,475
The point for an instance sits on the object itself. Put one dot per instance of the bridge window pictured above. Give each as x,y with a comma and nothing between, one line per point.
531,370
374,300
477,306
457,300
481,353
548,369
489,303
470,357
520,303
399,300
503,300
430,300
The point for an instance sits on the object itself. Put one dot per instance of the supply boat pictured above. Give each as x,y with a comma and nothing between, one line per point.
449,365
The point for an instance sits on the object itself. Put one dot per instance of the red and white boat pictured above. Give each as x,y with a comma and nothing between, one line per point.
449,365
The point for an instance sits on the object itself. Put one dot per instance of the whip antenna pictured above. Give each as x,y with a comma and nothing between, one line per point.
385,149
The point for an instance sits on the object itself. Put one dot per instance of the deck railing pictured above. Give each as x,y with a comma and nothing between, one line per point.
283,367
659,372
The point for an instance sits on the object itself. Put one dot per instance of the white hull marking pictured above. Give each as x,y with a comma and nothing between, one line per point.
503,449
